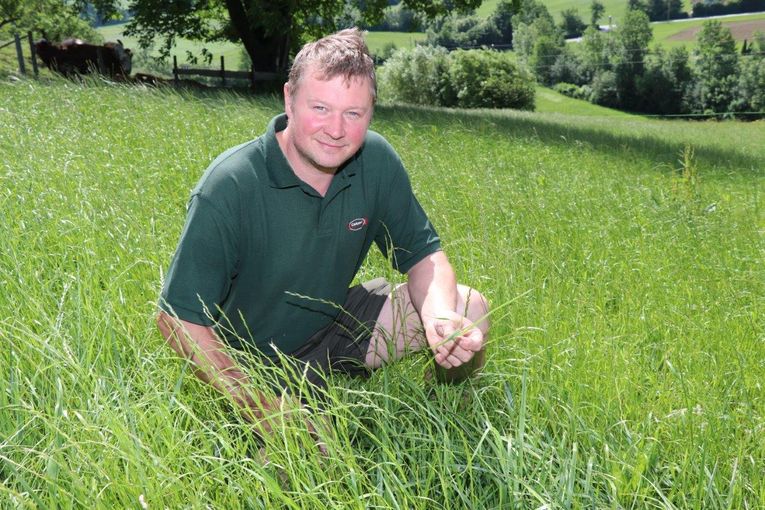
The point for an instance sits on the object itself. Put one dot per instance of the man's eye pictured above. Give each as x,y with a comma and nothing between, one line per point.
319,108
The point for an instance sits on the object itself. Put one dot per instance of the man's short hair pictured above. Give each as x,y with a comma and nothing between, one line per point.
343,53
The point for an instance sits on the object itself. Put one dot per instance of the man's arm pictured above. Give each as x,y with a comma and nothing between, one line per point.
213,365
453,338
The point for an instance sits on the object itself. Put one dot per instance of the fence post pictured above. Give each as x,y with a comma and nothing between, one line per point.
33,51
19,54
222,71
175,70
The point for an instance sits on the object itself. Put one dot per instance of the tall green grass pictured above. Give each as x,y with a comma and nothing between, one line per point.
626,373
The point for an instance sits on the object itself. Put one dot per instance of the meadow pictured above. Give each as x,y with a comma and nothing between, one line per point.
623,257
234,54
614,8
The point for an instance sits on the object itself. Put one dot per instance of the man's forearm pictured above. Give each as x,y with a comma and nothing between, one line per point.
213,365
433,286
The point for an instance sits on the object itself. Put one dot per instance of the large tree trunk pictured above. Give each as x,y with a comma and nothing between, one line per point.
269,52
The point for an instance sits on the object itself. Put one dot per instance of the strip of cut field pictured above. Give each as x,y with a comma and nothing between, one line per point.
740,29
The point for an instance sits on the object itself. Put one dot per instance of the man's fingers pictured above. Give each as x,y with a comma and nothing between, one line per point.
462,355
472,341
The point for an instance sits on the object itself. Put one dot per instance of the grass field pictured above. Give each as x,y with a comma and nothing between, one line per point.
663,33
614,8
625,370
233,53
550,101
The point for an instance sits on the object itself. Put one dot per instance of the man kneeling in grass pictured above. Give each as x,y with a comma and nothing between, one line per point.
277,228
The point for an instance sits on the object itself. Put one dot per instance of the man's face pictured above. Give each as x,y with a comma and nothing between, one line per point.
328,120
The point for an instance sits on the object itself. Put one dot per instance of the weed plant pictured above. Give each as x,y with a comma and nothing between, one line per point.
625,371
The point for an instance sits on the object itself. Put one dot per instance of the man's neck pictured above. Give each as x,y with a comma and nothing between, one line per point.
318,178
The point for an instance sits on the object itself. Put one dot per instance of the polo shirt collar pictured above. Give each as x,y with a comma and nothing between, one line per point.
280,172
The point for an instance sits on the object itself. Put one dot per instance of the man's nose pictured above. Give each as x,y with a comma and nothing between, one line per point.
335,126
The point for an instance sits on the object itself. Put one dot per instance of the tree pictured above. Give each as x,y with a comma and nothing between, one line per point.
632,38
664,9
56,19
539,44
503,16
596,12
717,67
664,86
751,85
270,30
465,32
572,24
597,50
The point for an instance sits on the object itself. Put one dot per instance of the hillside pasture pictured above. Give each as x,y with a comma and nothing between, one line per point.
614,8
622,256
684,32
739,29
234,54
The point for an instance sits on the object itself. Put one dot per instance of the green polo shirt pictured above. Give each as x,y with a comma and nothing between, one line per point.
266,259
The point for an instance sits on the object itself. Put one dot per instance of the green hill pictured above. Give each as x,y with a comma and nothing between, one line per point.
614,8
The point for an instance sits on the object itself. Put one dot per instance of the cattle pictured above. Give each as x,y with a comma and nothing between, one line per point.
74,56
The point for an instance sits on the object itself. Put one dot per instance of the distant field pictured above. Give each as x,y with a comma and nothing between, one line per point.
678,33
234,54
378,40
613,8
550,101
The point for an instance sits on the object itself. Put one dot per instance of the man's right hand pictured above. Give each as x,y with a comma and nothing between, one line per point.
213,365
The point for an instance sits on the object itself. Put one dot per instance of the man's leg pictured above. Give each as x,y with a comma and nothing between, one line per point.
399,328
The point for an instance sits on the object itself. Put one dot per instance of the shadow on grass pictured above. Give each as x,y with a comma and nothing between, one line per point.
655,141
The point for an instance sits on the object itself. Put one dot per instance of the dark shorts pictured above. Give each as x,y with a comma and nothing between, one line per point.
342,345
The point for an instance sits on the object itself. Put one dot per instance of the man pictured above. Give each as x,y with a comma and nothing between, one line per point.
277,229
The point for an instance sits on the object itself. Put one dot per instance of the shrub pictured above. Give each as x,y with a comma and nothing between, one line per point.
572,90
418,75
604,91
465,32
468,79
490,79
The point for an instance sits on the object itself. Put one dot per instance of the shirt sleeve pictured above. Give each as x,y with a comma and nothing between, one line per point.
203,267
406,236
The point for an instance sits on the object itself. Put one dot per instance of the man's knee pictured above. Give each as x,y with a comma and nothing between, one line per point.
476,307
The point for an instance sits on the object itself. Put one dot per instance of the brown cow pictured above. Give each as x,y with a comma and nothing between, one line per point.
75,56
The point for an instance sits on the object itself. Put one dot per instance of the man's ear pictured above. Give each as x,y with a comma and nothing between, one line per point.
287,100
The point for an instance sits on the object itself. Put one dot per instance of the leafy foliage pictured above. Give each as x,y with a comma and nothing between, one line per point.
270,30
751,85
701,9
659,10
632,39
459,31
572,24
464,78
596,12
56,19
490,79
417,76
717,67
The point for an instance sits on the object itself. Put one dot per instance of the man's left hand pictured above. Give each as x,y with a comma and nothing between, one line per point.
454,339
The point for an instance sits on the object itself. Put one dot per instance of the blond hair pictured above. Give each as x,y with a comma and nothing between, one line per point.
343,53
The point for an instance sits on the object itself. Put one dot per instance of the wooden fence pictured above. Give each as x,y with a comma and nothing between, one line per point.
20,52
251,75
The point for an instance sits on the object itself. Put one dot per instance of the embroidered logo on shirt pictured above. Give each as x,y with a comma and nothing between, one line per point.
357,224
